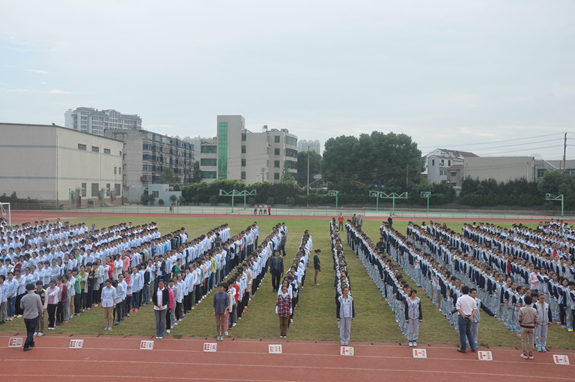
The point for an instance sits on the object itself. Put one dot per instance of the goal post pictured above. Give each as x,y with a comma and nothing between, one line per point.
6,212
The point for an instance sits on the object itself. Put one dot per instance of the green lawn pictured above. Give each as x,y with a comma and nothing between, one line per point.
315,315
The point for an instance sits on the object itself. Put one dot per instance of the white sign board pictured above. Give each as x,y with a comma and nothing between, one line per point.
146,345
76,344
15,342
484,356
275,349
419,353
561,359
210,347
346,350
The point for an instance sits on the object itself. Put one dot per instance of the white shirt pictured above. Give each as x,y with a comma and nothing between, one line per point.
466,304
160,302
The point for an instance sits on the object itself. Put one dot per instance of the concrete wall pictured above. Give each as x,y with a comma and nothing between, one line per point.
256,156
502,169
43,162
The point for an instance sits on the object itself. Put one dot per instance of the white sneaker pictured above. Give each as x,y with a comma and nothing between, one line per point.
168,331
414,344
36,334
234,324
226,333
40,334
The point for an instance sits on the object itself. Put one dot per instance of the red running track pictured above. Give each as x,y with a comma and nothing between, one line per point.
248,360
19,217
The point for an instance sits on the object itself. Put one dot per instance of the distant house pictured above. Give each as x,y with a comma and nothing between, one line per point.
445,166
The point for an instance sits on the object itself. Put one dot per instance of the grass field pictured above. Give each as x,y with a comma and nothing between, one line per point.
315,315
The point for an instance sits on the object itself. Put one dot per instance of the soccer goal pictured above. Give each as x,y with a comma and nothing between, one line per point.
6,213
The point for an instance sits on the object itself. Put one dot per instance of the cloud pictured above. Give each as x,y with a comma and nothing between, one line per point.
38,71
58,91
44,83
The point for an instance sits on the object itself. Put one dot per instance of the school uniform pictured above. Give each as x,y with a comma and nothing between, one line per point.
345,310
413,316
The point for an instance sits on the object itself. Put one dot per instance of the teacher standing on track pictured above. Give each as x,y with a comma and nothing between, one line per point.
31,305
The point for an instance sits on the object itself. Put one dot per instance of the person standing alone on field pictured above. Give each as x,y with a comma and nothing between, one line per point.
527,319
316,265
221,303
32,308
284,310
340,220
345,314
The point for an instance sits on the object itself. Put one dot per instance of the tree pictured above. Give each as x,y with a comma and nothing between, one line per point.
161,202
314,166
151,199
177,187
173,199
287,177
197,172
181,200
168,176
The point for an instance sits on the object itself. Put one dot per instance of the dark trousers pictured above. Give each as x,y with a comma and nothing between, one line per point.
90,296
77,303
19,310
276,275
60,313
84,300
52,308
465,332
168,319
136,300
128,304
178,310
119,311
30,328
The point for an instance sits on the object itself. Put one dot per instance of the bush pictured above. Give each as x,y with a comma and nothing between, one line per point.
213,199
270,200
251,201
290,201
177,187
161,202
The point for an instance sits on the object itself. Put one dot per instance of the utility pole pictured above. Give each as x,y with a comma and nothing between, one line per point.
564,151
307,199
407,177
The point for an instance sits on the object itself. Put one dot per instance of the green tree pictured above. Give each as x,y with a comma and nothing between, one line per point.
287,177
197,172
314,166
173,199
161,202
168,176
177,187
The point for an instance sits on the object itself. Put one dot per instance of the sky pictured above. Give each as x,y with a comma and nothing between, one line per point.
491,77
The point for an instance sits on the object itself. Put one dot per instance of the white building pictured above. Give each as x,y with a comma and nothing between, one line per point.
48,162
94,121
237,153
504,169
310,145
441,163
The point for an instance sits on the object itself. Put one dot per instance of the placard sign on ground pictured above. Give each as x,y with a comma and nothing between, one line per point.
76,344
561,359
484,356
275,349
15,342
146,345
346,350
419,353
210,347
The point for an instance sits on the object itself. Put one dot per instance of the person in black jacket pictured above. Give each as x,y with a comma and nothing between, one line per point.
161,299
277,270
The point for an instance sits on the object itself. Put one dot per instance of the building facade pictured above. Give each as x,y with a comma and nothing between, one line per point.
147,153
60,165
310,145
94,121
504,169
443,166
237,153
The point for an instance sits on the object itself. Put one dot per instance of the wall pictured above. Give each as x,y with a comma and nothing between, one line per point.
502,169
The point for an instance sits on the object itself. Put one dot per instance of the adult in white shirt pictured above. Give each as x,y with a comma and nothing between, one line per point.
161,299
466,307
108,303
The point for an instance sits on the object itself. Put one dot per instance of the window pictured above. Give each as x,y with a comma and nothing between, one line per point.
84,185
208,162
243,137
291,141
243,163
243,149
120,170
276,164
209,175
118,189
81,146
95,149
276,176
107,151
441,162
243,175
570,171
115,170
147,167
276,151
223,150
291,153
156,194
94,190
209,149
277,139
121,154
453,173
541,172
449,162
108,186
433,162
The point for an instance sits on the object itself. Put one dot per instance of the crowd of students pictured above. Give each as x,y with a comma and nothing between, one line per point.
344,305
292,284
